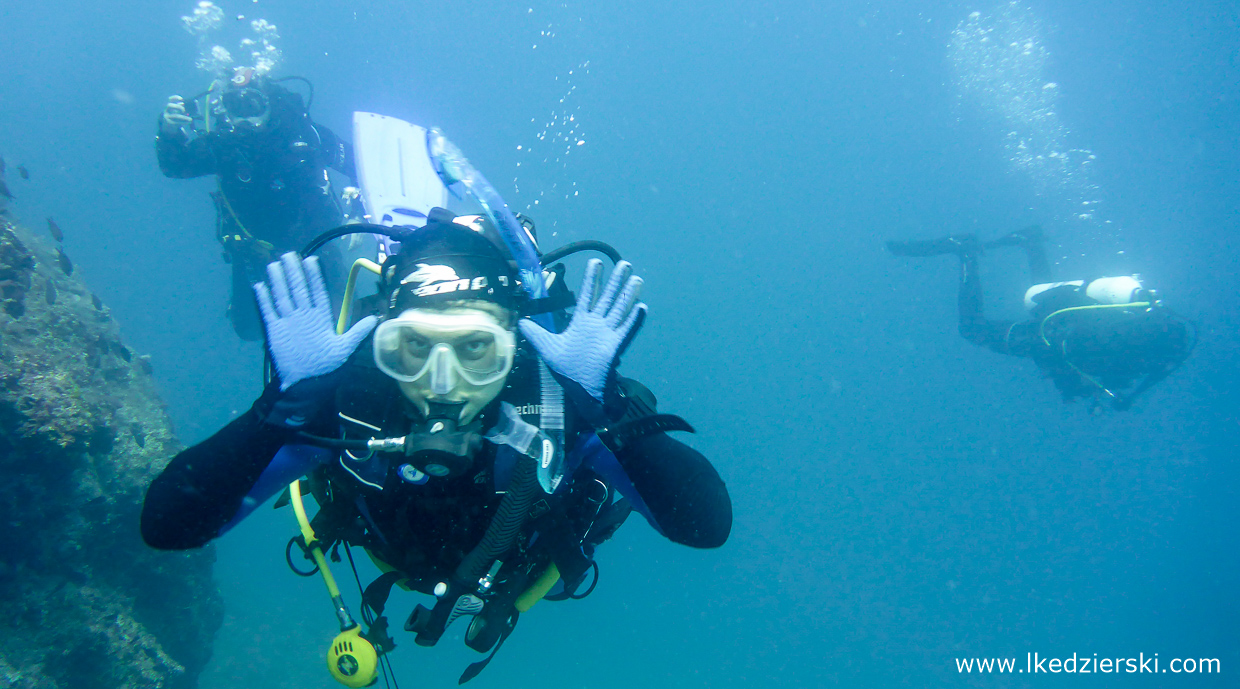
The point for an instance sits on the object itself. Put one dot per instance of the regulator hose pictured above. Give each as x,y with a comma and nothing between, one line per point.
334,443
309,98
577,247
398,233
505,527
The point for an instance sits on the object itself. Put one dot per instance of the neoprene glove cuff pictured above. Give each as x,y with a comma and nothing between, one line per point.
299,405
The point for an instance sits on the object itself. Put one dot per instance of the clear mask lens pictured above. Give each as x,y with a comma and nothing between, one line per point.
447,348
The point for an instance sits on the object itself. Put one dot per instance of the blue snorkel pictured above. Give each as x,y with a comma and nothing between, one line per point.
457,175
463,179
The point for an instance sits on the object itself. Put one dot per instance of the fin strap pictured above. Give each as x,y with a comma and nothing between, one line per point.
617,438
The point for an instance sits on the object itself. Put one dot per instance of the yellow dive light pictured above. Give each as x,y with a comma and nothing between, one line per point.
351,659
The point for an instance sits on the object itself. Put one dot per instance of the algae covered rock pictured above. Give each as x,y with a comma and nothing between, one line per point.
82,432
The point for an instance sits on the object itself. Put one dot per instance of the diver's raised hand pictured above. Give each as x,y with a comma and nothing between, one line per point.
174,117
297,314
585,355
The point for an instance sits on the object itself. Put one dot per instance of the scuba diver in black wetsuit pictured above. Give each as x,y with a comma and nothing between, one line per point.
442,459
271,159
1107,339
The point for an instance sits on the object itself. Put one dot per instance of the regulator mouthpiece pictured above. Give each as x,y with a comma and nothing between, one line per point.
439,446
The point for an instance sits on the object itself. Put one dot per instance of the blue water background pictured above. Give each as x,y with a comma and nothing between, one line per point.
902,498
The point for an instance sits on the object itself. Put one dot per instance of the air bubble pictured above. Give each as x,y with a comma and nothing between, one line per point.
1000,62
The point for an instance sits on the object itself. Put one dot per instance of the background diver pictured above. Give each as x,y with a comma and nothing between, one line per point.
271,160
468,505
1107,339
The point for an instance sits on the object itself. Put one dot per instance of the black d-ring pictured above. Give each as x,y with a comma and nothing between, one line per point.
577,596
288,557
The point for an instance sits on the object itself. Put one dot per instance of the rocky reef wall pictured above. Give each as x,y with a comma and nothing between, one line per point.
82,432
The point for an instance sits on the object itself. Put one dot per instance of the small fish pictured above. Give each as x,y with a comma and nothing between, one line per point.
4,191
122,351
63,259
51,293
21,170
139,436
94,299
55,230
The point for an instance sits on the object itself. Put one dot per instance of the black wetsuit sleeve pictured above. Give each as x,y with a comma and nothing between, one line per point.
182,158
336,153
202,488
685,494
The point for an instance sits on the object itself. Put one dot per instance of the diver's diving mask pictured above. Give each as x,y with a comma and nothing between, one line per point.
442,350
450,365
245,107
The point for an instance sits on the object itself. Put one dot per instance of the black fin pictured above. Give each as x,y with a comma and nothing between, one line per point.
958,245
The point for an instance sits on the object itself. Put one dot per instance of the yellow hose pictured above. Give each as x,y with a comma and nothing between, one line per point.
1063,346
1091,307
299,507
346,305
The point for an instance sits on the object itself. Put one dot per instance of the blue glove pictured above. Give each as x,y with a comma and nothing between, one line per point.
301,334
585,355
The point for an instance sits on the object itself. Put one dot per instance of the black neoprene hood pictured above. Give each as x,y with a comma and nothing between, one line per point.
445,262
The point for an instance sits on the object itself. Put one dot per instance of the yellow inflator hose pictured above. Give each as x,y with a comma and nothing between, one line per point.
1063,346
1089,307
349,286
351,659
307,533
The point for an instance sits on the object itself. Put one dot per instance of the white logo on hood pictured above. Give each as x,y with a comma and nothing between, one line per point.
441,280
426,274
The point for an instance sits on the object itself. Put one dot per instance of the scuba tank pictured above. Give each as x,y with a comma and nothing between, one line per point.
1123,289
